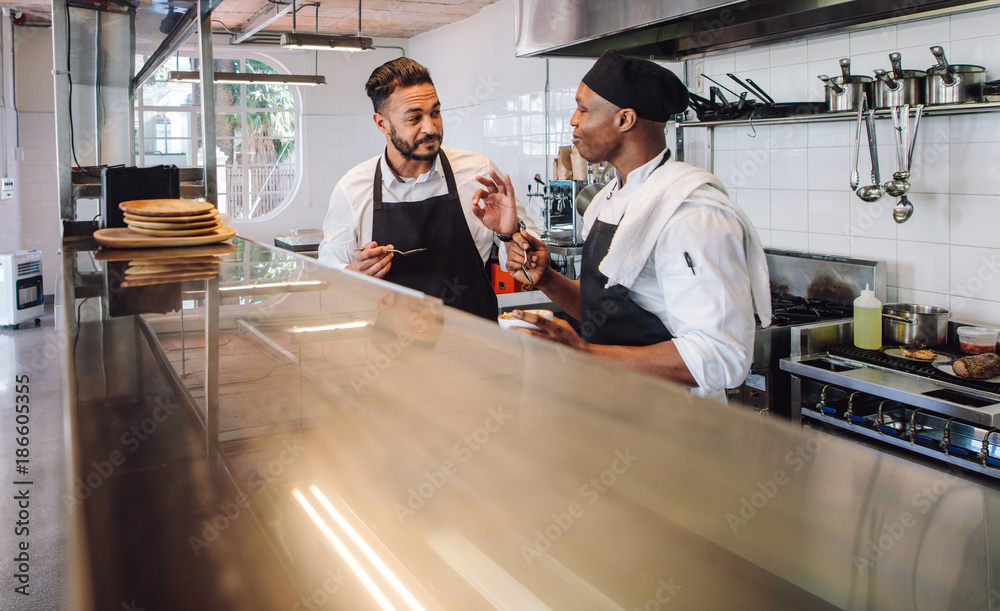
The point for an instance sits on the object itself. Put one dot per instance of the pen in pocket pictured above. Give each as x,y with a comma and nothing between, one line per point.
687,258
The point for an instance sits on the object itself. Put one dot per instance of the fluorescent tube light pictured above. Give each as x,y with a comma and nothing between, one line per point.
248,78
350,44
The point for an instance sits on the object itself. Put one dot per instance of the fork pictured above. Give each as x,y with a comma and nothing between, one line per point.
398,252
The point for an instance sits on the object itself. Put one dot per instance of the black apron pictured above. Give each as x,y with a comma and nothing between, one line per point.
451,268
609,316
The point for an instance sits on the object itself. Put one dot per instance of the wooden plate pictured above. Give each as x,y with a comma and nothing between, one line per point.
199,260
165,278
166,233
212,222
173,219
146,270
166,207
123,237
207,252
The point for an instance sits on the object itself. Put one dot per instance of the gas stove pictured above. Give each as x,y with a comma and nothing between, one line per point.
909,407
787,310
805,288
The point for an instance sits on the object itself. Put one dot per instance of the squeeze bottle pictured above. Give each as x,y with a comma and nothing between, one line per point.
867,321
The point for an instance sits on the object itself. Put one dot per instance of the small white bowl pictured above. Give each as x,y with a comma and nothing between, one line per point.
507,323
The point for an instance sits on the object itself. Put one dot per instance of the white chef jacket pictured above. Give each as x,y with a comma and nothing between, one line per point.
348,222
708,310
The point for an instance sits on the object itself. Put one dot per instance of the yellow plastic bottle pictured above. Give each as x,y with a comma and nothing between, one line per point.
867,321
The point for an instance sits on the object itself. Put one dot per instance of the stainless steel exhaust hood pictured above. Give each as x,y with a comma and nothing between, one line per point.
671,29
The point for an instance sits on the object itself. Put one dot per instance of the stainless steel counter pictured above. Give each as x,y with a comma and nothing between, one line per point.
373,448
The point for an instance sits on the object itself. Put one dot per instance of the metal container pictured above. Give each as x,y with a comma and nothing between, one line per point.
892,91
966,85
841,97
905,322
953,83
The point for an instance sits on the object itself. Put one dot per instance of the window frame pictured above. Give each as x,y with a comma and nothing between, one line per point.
295,162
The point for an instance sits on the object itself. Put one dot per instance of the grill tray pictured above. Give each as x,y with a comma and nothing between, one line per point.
874,357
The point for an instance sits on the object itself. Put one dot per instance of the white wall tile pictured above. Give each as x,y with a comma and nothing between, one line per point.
921,34
828,47
789,83
789,240
751,59
923,266
974,168
789,136
753,169
830,244
784,54
834,133
873,40
973,128
930,221
983,51
789,169
748,139
757,204
718,65
978,23
976,311
971,223
829,168
876,249
829,212
975,272
937,300
789,210
724,138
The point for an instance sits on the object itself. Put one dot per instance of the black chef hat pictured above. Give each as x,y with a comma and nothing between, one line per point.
651,90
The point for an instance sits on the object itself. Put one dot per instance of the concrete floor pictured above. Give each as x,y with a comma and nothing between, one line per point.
37,353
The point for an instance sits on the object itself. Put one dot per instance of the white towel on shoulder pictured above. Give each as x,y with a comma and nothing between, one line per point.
652,205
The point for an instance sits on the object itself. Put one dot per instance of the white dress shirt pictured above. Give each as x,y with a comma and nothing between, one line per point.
707,308
348,222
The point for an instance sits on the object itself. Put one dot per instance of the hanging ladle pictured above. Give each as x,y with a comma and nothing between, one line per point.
903,209
898,187
873,192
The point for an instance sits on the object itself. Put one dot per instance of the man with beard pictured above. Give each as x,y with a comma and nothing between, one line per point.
411,197
672,270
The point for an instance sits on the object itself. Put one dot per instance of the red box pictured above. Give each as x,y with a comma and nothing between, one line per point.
504,283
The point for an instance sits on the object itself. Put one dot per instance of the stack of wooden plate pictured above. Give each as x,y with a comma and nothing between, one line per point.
157,223
159,266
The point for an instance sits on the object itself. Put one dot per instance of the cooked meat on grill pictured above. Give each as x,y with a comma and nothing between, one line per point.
978,367
917,350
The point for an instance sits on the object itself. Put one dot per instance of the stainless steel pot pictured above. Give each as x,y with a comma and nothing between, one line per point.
953,83
905,322
842,97
892,91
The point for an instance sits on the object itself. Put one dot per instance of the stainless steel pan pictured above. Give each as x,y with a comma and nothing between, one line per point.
905,322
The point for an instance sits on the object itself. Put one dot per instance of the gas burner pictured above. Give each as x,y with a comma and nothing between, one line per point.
794,310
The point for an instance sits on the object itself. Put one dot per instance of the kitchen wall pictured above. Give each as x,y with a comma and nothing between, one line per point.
793,179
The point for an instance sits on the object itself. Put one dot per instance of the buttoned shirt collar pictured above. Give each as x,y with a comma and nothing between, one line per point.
389,175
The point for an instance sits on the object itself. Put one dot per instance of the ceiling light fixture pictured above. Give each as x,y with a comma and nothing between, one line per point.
249,78
315,42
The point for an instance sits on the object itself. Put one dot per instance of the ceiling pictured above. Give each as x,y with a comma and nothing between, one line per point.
379,18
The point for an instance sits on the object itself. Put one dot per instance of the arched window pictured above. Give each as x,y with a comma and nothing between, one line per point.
259,167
